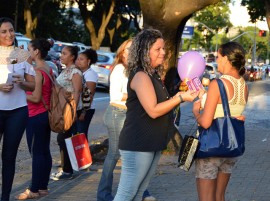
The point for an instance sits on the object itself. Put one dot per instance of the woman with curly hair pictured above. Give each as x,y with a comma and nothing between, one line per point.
146,126
114,118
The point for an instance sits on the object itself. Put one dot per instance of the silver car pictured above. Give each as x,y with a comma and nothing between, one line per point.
103,68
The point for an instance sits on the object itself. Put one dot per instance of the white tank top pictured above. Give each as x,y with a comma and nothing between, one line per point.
238,103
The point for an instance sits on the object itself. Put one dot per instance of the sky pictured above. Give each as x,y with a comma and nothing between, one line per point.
239,17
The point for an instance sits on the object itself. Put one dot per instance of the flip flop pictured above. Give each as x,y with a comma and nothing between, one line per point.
27,194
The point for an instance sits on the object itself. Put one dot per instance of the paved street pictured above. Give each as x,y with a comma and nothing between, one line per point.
249,182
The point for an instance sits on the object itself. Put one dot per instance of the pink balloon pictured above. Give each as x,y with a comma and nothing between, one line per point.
190,65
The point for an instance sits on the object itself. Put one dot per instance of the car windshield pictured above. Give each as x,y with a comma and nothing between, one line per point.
58,47
103,58
209,68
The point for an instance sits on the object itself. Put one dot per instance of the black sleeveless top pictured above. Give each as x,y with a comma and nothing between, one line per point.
141,132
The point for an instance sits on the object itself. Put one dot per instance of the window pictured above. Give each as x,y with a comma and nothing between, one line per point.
23,42
209,68
102,58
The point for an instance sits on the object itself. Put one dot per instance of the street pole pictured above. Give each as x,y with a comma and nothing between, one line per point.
214,32
216,45
268,41
254,47
254,44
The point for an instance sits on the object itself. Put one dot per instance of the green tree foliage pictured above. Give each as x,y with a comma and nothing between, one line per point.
258,10
125,22
216,17
55,18
64,28
105,18
247,41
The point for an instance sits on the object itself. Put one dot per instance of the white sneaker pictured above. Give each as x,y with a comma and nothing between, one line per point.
150,198
61,176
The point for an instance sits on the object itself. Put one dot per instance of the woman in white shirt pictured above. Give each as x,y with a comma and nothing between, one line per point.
17,76
114,118
86,109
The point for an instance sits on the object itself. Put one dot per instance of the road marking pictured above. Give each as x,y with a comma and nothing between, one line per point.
102,99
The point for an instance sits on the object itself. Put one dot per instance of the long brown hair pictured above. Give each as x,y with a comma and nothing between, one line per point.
119,59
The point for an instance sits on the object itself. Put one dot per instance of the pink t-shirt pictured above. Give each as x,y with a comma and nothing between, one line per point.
38,108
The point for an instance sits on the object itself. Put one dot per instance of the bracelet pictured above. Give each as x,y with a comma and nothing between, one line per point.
181,98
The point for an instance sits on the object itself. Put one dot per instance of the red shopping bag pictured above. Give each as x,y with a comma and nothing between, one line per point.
79,152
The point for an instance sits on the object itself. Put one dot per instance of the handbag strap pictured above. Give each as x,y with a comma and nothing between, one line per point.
83,80
224,98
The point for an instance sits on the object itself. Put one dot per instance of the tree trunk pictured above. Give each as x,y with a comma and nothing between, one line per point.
32,21
112,31
170,18
96,38
28,20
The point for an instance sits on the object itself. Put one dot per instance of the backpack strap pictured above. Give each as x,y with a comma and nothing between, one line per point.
53,82
52,78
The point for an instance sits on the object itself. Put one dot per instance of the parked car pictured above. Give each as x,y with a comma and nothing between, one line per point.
81,46
211,69
58,46
103,68
55,53
210,57
253,73
22,41
54,68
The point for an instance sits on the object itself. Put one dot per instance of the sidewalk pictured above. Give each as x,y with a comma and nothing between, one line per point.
249,182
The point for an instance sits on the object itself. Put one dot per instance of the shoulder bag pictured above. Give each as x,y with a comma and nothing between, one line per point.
226,135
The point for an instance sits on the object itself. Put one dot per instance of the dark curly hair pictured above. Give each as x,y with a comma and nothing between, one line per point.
139,51
236,55
90,54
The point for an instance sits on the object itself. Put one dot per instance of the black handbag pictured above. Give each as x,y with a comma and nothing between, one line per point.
226,135
187,152
86,96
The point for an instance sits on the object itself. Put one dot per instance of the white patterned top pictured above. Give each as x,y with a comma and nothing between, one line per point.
13,60
65,78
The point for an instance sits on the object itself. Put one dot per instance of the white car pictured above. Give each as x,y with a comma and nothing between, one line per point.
22,41
211,69
58,46
103,68
82,47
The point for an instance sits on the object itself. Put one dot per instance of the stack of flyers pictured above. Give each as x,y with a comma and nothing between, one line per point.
195,84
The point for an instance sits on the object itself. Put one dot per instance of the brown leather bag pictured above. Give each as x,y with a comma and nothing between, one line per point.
62,111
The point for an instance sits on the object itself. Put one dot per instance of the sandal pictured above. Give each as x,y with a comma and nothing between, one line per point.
43,193
27,194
